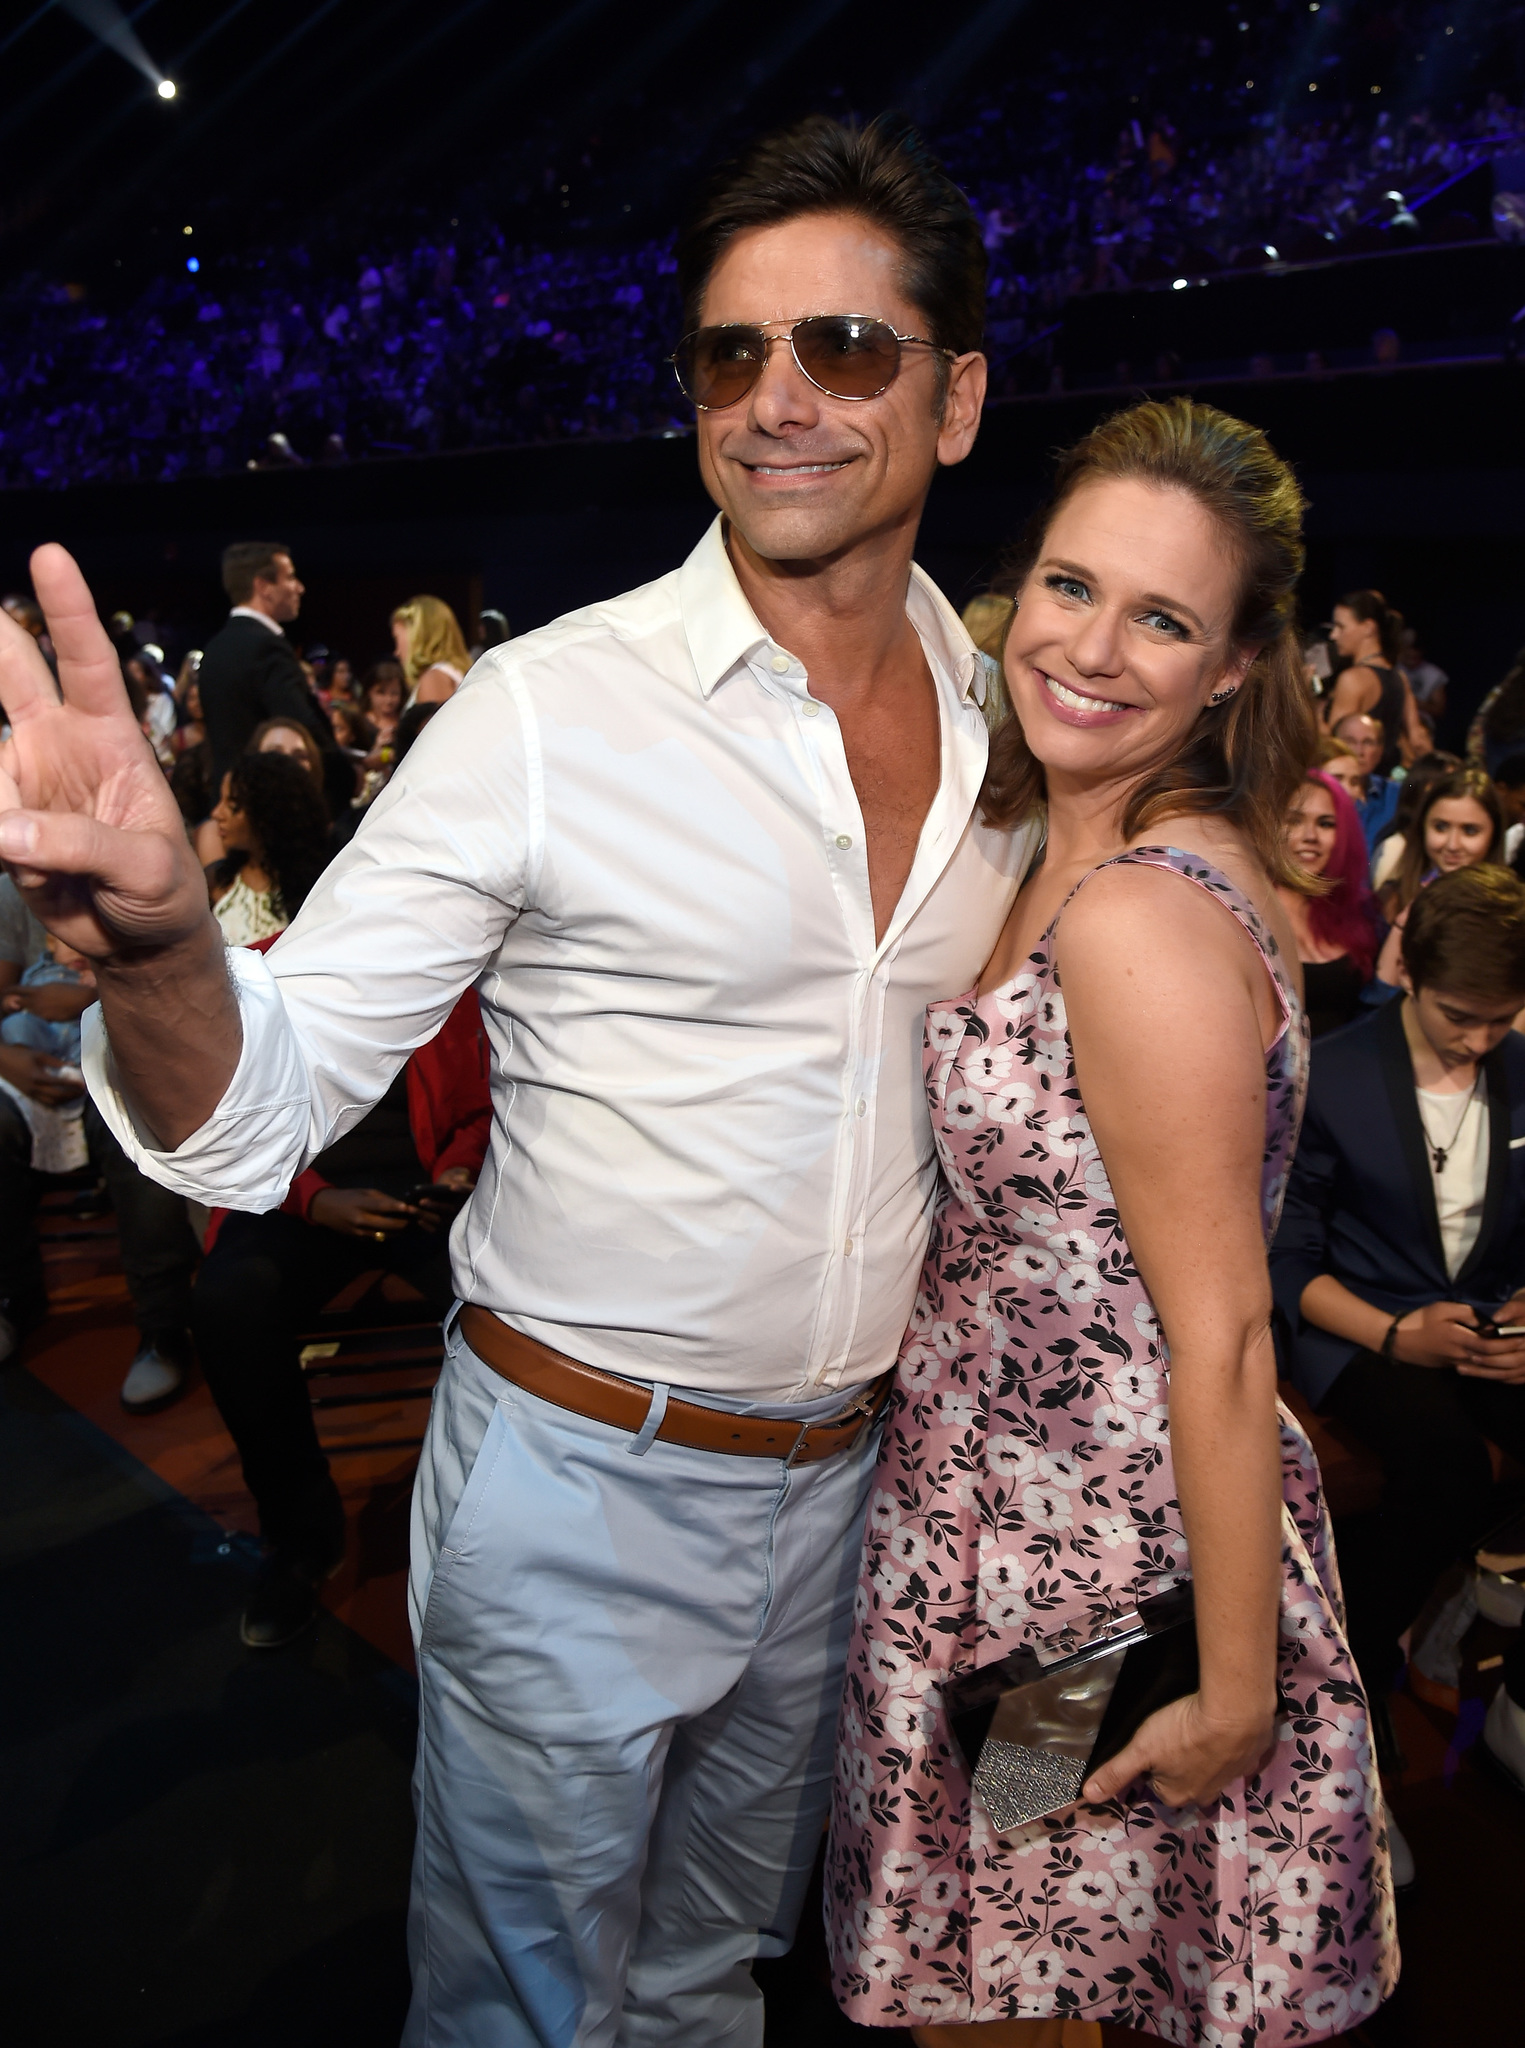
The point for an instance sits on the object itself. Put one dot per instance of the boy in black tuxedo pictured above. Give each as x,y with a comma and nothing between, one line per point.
1399,1264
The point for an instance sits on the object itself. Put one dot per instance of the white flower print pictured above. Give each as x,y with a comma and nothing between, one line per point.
964,1108
908,1547
1191,1965
989,1064
1063,1468
886,1581
1052,1058
1231,1836
920,1366
1271,1982
1010,1456
883,1513
1111,1425
1300,1884
1302,1618
1069,1137
908,1721
1343,1792
1137,1911
901,1868
1133,1867
1135,1386
872,1922
1049,1506
1079,1283
1011,1102
1018,1000
1076,1246
997,1962
1071,1495
880,1962
1327,2009
1231,1999
1093,1888
932,2002
945,1031
1154,1427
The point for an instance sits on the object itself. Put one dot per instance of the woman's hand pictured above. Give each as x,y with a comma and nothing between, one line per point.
39,1076
1188,1754
360,1212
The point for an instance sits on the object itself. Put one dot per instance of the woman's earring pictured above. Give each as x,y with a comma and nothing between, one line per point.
1222,696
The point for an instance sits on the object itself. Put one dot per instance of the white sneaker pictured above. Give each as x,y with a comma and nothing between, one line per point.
152,1381
1400,1855
1504,1737
1500,1600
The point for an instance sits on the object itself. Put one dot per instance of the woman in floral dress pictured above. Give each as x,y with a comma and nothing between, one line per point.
1086,1409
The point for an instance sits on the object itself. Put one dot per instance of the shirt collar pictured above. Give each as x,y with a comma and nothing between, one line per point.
723,631
247,611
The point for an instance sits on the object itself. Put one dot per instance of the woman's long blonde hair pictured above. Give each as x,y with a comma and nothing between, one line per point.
434,636
1242,760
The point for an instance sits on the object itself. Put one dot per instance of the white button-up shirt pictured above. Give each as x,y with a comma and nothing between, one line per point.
635,834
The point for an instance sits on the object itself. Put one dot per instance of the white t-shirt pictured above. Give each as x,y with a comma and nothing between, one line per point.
1462,1182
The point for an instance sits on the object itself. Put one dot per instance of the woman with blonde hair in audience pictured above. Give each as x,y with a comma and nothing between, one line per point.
1336,932
1458,824
427,640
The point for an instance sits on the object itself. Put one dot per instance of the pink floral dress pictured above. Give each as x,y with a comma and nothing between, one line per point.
1025,1490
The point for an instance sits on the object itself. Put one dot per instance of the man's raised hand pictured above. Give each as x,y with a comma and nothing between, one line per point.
88,826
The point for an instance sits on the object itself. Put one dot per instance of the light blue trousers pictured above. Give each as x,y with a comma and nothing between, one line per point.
630,1662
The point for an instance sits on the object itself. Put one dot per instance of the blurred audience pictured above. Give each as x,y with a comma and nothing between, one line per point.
430,650
1337,930
274,828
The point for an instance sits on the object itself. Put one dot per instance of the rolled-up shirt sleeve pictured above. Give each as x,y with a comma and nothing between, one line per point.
398,926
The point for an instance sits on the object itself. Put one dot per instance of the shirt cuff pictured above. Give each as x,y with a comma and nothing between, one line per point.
246,1153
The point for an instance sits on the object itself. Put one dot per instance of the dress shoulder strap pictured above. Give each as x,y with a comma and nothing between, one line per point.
1192,868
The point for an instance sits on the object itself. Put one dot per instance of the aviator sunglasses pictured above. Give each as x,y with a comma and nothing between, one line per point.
846,355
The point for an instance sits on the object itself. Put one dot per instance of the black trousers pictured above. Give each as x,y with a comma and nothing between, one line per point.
1428,1427
159,1249
264,1280
21,1281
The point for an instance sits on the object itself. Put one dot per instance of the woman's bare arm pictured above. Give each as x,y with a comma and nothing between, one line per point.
1169,1005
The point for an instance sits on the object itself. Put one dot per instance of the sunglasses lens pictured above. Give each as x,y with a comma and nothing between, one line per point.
847,357
719,365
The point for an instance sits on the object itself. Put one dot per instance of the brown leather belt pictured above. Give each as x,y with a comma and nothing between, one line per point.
605,1397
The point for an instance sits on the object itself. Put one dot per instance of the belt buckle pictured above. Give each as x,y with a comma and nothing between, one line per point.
798,1444
861,1407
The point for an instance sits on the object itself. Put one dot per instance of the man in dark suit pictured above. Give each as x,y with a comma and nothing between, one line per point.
1399,1264
249,671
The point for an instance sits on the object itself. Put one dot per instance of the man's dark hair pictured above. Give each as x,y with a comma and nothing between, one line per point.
1466,934
886,175
1510,774
248,562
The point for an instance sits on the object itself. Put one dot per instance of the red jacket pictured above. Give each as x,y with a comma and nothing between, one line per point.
449,1104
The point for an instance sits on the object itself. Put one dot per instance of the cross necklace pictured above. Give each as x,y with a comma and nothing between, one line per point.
1441,1153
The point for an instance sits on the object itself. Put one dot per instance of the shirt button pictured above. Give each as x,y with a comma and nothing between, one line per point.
812,709
843,841
781,664
847,1249
860,1107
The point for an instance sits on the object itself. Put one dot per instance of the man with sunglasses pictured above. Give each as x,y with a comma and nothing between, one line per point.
706,851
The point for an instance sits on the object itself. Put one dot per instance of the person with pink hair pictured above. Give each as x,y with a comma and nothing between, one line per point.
1337,932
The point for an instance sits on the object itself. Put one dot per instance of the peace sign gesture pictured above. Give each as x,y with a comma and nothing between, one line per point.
95,841
88,827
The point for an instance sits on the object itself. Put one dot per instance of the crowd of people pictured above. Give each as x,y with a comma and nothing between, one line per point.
408,337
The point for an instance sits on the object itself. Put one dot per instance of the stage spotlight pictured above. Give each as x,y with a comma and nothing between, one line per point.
167,88
193,264
1179,285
